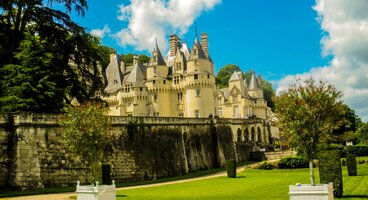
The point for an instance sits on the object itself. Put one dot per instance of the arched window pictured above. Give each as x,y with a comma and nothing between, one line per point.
239,135
246,135
253,132
259,134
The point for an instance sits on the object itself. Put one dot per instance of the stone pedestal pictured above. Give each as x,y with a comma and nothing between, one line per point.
98,192
308,192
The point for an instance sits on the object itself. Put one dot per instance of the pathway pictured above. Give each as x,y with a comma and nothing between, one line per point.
65,196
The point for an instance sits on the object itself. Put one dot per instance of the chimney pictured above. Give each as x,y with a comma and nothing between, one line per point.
259,78
204,41
173,44
135,59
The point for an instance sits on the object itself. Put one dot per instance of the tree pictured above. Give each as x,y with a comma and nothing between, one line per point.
31,85
362,133
85,134
348,122
128,58
224,75
306,114
75,55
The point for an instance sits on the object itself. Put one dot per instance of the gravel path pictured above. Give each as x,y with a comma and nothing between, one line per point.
65,196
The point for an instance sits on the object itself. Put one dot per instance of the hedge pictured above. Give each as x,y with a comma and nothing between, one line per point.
291,162
358,150
265,165
231,168
330,170
351,164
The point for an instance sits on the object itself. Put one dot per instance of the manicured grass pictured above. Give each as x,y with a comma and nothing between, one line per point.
250,184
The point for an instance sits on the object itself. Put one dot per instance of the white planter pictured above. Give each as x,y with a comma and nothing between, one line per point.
308,192
98,192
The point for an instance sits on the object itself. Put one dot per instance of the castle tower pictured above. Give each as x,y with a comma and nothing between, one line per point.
255,90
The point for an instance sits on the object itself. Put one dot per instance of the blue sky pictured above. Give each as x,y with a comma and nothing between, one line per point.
279,39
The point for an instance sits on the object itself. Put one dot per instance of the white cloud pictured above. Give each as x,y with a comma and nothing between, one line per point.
346,25
101,32
148,19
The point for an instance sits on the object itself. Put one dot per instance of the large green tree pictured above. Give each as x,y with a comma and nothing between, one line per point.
85,134
362,134
307,113
76,56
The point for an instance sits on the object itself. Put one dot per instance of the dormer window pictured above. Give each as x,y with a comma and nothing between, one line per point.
194,51
115,82
154,69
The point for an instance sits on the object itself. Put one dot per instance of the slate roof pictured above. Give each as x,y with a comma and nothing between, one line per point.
114,76
253,84
137,75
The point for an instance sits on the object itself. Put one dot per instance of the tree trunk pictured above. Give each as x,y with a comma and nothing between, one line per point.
311,173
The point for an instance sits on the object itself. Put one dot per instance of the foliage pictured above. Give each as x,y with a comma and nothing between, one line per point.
292,162
362,133
330,170
32,84
351,164
358,150
347,124
73,56
265,165
307,113
224,74
128,58
85,134
231,168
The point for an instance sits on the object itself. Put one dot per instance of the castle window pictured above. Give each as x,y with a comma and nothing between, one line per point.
195,76
155,97
178,66
194,51
164,81
236,111
235,99
198,92
176,80
180,96
219,112
219,101
208,76
181,115
153,81
196,113
141,89
154,69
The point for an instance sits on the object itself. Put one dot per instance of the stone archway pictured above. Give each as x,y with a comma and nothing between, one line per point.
253,134
239,135
259,134
246,135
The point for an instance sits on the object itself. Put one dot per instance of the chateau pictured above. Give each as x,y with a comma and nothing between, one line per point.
181,84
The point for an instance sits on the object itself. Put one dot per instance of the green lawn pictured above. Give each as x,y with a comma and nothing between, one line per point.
250,184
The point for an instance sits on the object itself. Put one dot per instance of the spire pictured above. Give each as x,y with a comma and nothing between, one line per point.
113,74
156,58
254,85
197,51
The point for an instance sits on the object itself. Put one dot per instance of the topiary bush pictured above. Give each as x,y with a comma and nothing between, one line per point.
358,150
292,162
231,168
351,164
330,170
265,165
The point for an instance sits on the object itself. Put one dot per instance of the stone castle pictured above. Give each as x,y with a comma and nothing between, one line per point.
181,84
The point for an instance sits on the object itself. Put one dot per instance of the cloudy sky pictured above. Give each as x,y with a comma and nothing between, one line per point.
279,39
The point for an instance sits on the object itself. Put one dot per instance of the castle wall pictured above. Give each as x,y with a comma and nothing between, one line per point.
143,148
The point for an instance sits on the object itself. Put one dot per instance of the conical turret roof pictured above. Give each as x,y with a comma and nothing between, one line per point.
200,52
254,85
113,75
137,75
157,56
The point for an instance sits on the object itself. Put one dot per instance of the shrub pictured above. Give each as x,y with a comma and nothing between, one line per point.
351,164
265,165
292,162
358,150
330,170
231,168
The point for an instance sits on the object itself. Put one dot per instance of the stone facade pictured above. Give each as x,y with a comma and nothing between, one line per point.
181,84
143,148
